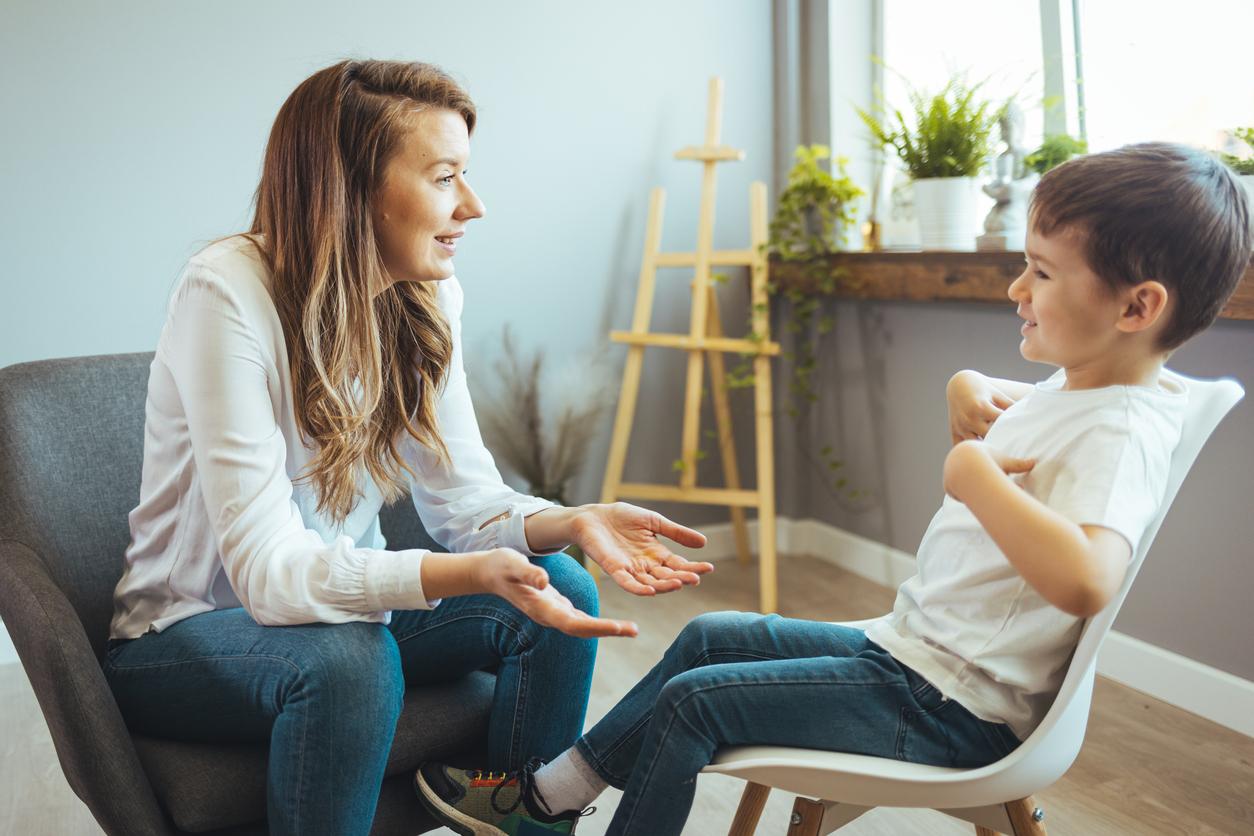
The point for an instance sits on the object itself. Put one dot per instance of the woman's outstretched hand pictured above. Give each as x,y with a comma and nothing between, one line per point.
513,577
623,540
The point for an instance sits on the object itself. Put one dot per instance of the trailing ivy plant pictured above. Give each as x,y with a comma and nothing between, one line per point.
815,212
812,219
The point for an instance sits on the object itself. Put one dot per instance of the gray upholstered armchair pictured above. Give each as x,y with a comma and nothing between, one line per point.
71,446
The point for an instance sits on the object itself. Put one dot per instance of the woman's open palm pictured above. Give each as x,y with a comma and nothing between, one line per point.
527,587
623,540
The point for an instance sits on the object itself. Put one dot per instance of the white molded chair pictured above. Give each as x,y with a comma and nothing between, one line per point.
997,797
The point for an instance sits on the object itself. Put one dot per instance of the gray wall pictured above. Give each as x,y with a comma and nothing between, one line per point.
887,365
134,134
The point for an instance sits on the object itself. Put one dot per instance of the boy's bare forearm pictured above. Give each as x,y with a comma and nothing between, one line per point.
1016,389
1056,556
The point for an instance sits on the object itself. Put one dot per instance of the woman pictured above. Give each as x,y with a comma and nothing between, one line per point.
308,372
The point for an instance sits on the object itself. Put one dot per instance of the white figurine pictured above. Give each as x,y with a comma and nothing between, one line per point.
1005,228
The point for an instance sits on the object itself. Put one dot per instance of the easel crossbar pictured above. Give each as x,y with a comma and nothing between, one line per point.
695,496
718,258
726,345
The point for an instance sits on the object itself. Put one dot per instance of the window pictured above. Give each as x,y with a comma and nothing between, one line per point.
994,42
1163,70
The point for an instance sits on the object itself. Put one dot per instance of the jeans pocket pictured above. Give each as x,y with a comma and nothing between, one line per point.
1001,740
927,697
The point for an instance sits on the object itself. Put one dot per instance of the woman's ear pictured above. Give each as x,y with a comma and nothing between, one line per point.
1145,304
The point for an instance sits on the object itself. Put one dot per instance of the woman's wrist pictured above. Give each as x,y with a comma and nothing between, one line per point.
553,528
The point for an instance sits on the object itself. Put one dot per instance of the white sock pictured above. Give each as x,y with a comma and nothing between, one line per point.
568,783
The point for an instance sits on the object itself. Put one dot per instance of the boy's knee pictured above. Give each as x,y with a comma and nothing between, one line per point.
573,581
711,627
682,695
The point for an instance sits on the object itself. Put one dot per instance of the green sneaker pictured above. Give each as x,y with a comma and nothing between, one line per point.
475,803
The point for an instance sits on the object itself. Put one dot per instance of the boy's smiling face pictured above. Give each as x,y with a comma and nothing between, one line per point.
1070,315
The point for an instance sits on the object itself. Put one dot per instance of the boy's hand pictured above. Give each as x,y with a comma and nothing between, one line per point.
975,402
971,461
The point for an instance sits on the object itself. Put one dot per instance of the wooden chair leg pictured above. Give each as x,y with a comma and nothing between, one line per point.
750,810
807,817
1025,817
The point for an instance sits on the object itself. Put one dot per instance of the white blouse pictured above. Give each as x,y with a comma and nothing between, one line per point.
221,523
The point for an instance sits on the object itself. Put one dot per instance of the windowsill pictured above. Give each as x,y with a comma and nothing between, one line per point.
914,276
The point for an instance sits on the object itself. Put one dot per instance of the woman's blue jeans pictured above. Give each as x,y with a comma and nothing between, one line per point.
327,696
734,679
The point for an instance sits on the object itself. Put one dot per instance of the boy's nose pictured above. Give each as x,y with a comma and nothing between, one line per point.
1015,291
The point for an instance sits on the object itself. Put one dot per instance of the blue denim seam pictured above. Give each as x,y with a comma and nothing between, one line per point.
234,657
520,710
674,715
903,723
493,615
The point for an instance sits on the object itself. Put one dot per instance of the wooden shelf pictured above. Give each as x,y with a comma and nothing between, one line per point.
947,277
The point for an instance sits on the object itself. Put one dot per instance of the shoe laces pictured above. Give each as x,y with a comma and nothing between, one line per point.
528,791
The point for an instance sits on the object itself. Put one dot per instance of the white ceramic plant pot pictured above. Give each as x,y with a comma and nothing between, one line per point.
945,208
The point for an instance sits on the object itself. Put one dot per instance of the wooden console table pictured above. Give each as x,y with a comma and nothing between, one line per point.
947,276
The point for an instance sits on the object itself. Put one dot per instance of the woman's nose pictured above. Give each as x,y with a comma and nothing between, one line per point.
471,206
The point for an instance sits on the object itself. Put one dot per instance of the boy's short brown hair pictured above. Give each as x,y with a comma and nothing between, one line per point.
1154,211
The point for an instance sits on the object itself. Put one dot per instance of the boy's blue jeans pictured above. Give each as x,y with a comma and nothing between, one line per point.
742,679
327,696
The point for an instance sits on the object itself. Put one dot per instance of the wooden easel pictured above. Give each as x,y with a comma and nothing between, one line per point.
705,339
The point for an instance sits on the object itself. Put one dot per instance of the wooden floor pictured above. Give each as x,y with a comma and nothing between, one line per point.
1146,767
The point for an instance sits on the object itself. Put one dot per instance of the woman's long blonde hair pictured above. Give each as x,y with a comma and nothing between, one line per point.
364,368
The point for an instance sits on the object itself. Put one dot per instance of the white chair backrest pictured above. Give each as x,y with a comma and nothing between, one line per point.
1055,743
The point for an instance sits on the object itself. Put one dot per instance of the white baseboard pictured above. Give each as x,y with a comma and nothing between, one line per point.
1200,689
8,653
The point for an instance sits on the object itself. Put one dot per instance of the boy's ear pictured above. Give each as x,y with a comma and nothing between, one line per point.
1145,305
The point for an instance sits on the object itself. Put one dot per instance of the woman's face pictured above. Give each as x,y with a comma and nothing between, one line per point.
424,203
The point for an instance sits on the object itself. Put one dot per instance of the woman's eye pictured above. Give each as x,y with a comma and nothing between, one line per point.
1041,275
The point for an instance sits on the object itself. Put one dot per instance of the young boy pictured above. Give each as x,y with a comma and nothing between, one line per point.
1050,488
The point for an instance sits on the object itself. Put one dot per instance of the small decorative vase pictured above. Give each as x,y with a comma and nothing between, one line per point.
945,209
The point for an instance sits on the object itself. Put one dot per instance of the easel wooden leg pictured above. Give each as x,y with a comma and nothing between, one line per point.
750,810
726,438
764,408
768,590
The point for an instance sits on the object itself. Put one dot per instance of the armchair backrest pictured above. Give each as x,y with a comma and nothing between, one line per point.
71,453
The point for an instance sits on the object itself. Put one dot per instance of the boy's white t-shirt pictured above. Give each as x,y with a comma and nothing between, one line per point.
968,622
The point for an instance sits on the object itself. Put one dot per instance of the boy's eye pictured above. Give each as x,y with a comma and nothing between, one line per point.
446,181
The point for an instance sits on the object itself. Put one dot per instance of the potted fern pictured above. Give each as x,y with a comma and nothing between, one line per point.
943,147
